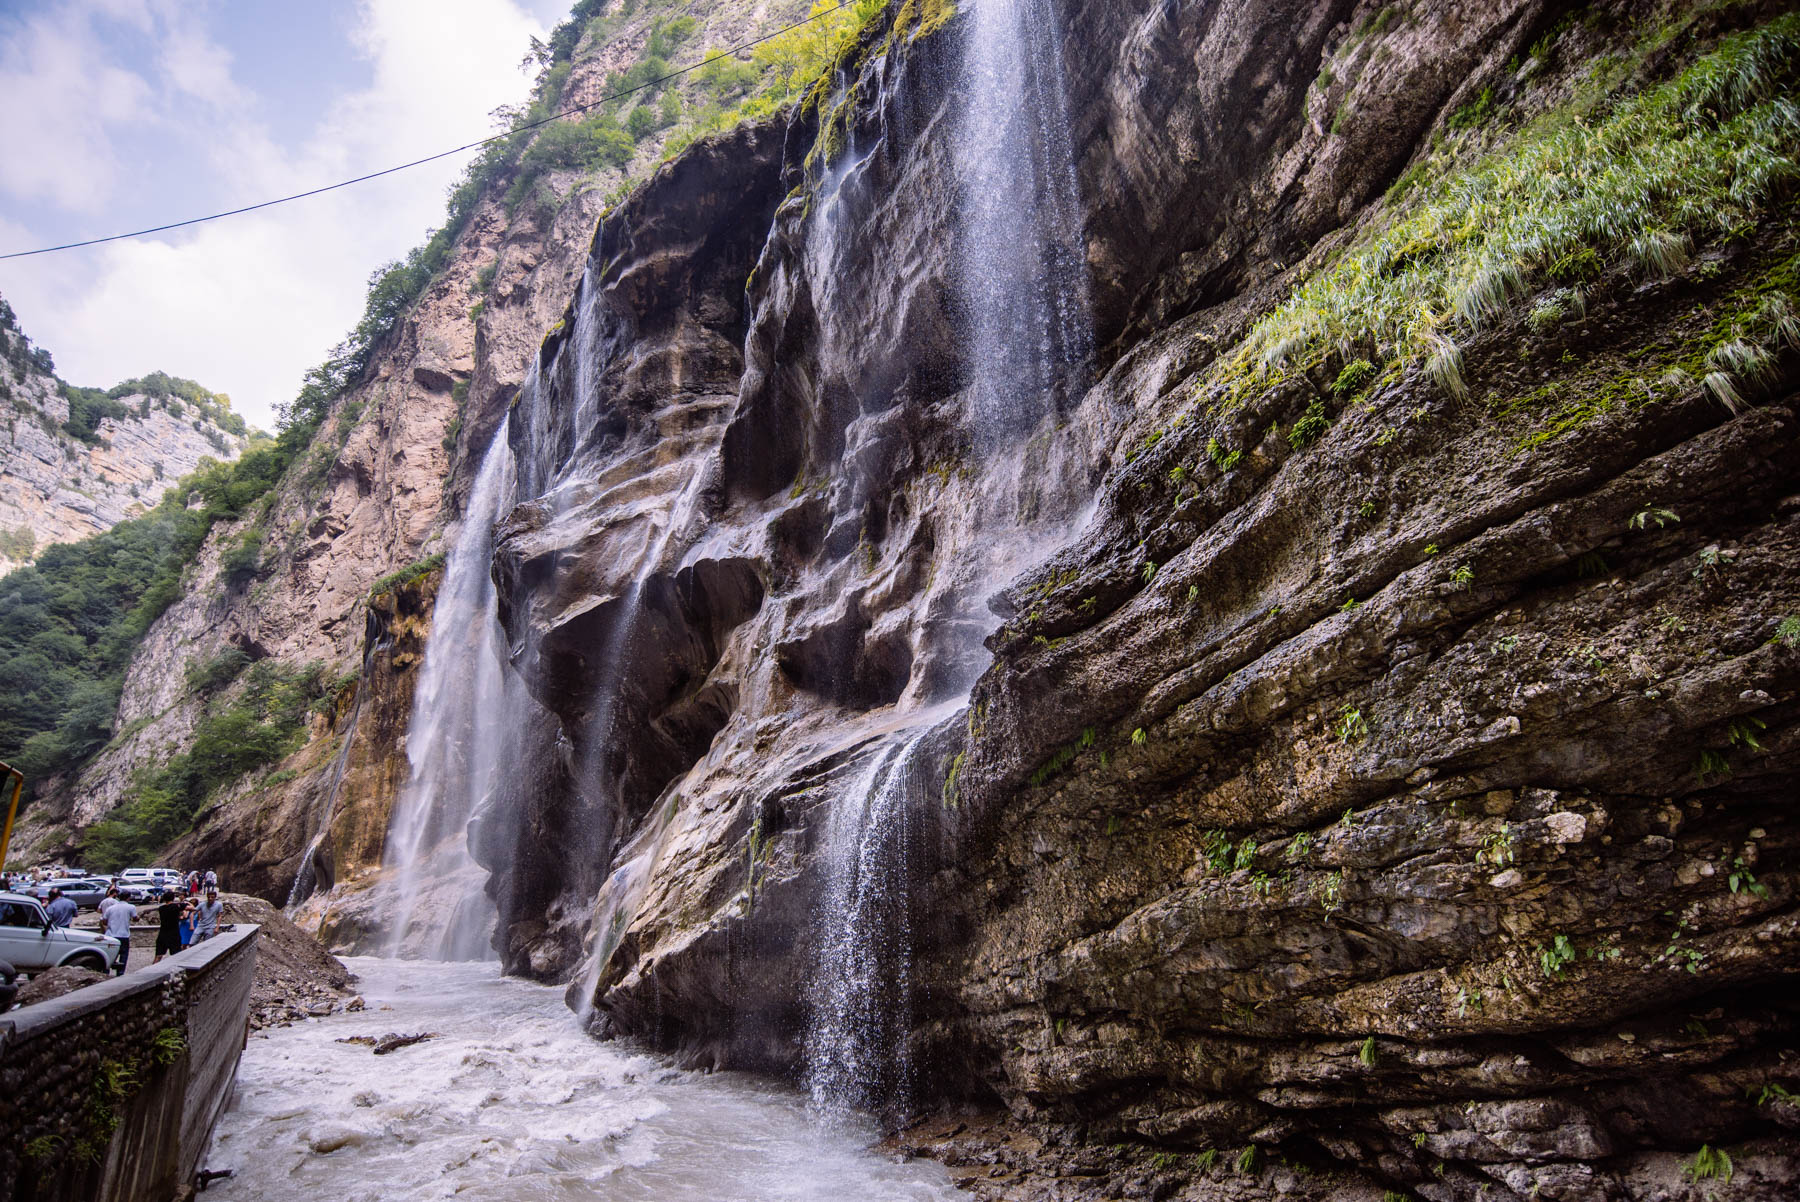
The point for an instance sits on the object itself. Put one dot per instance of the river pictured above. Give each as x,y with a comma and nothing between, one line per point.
513,1103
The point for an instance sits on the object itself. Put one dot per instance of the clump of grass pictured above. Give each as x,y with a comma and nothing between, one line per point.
1709,1162
1556,307
1661,253
1738,363
1353,380
1637,183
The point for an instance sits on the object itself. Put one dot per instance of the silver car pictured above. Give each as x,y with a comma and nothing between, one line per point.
30,944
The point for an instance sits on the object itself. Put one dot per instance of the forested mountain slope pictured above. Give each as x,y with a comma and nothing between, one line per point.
76,461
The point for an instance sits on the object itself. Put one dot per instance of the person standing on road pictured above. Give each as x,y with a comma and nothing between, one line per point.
206,916
60,909
115,920
168,930
212,880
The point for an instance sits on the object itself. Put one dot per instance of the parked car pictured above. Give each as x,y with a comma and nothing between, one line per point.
139,885
84,892
30,944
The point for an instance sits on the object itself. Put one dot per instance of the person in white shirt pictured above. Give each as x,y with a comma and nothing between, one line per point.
115,919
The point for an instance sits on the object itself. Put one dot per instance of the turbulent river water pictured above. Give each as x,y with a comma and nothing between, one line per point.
513,1103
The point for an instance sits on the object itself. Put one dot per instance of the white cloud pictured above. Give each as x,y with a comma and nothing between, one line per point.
62,107
247,304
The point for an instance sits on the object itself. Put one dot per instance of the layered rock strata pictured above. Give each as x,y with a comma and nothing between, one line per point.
1387,805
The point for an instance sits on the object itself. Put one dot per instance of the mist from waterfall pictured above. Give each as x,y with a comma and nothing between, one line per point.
464,708
1027,341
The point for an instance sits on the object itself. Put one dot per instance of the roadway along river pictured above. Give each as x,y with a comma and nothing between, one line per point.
514,1104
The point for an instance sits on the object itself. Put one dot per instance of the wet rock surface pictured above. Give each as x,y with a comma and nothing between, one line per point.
1358,809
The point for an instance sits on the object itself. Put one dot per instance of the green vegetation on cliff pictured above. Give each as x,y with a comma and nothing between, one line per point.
1636,180
70,622
256,725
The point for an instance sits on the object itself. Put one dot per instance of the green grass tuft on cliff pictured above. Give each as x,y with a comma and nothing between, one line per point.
1638,181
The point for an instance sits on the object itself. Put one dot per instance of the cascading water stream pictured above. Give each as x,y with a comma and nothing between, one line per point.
306,877
458,738
1023,282
620,895
1022,287
855,1048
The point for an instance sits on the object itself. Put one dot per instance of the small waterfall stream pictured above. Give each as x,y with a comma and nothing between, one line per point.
1027,343
855,1050
457,741
1024,278
306,877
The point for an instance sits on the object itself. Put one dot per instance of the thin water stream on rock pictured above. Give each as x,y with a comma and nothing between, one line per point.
512,1102
306,877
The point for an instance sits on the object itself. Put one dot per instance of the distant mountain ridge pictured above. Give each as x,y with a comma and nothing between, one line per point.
78,461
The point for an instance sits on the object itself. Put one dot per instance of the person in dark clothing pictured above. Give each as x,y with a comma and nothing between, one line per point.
168,931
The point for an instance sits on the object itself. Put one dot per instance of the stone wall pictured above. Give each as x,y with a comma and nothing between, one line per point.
109,1094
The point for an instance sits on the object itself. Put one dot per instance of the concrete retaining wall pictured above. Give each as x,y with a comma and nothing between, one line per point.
110,1093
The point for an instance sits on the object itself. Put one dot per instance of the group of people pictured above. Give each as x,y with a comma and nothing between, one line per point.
181,922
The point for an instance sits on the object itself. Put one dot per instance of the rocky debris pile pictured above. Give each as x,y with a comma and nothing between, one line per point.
393,1041
296,978
55,982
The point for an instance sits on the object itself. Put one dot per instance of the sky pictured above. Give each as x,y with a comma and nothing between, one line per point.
123,114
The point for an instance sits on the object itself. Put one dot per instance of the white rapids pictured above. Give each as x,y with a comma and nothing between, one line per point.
513,1103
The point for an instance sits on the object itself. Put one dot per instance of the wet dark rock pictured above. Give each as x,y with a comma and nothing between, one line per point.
1272,854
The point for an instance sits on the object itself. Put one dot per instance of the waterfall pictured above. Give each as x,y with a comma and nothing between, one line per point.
1021,283
618,898
463,706
306,877
855,1047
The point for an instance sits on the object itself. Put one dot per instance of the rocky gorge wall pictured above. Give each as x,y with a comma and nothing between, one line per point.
1375,773
55,488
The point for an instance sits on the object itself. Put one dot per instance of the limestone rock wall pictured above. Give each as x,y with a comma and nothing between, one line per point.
1386,805
55,488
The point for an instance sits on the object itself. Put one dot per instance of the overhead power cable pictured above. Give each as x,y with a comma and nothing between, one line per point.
444,154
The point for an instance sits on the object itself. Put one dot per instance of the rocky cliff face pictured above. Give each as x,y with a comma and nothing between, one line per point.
56,488
1051,675
377,492
1373,771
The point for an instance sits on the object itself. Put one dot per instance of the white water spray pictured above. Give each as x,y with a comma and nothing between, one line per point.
463,713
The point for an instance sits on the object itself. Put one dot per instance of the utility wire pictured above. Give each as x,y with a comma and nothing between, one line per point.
432,158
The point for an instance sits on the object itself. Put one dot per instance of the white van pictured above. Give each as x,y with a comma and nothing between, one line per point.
30,944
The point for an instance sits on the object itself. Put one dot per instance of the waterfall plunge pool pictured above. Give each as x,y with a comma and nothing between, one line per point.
513,1103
